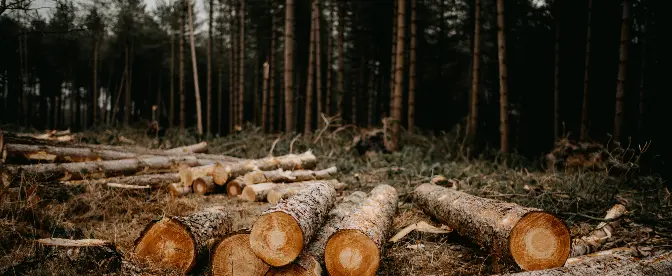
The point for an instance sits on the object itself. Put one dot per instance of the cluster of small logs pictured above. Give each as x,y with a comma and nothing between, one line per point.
572,155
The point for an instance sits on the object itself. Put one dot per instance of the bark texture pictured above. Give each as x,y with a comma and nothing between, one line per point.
529,237
86,256
611,265
203,185
282,232
281,175
355,249
233,256
599,236
398,76
177,242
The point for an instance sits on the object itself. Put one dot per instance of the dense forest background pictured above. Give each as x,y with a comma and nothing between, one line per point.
103,63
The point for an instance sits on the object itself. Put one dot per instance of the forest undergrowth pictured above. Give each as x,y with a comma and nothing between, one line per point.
579,197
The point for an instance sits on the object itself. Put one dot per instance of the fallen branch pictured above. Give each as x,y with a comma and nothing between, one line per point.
152,180
599,236
85,256
126,186
281,175
223,172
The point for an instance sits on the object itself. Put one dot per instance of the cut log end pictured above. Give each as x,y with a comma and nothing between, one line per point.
177,190
350,252
169,243
233,256
307,267
276,238
220,174
203,185
235,187
539,241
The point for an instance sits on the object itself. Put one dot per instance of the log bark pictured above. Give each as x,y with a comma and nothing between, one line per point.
599,236
196,148
611,265
153,180
282,232
19,138
86,256
177,190
233,256
257,192
99,169
203,185
281,175
531,238
311,260
285,191
235,186
355,249
177,242
225,172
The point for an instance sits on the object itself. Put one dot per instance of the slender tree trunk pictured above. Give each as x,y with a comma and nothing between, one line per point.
182,97
556,90
393,67
642,85
272,64
371,93
171,109
476,71
220,69
412,76
586,73
622,71
94,101
307,128
255,94
208,100
289,66
197,91
341,38
127,97
318,65
330,55
232,70
264,100
503,79
398,76
241,77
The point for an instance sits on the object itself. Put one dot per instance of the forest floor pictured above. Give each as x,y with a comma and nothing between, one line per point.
579,198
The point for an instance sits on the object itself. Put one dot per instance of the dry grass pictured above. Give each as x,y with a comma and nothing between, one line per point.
119,216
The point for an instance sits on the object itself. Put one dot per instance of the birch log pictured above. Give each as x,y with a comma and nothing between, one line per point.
86,256
203,185
311,260
177,190
196,148
233,256
611,265
285,191
235,186
532,238
176,242
281,175
225,172
153,180
97,169
257,192
355,249
599,236
282,232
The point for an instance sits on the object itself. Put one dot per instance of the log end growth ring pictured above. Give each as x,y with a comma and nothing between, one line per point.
233,256
167,242
276,238
350,252
540,241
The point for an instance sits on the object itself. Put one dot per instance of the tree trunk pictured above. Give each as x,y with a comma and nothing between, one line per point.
531,238
622,71
355,249
232,70
94,101
287,190
177,242
311,260
586,73
611,265
503,81
272,65
289,66
475,73
241,64
171,109
208,112
393,68
264,100
412,74
318,65
203,185
255,91
257,192
341,57
282,232
225,172
85,256
372,94
280,175
197,91
220,76
599,236
233,256
556,90
153,180
642,86
182,92
308,126
398,77
127,96
330,56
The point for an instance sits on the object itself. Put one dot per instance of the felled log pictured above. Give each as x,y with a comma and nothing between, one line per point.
188,175
599,236
311,260
355,249
153,180
257,192
177,190
196,148
232,256
203,185
285,191
531,238
235,186
224,172
97,169
281,233
281,175
19,138
85,256
611,265
128,186
176,242
617,252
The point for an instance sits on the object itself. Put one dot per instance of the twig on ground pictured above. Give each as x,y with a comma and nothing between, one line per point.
589,217
270,152
327,122
291,145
